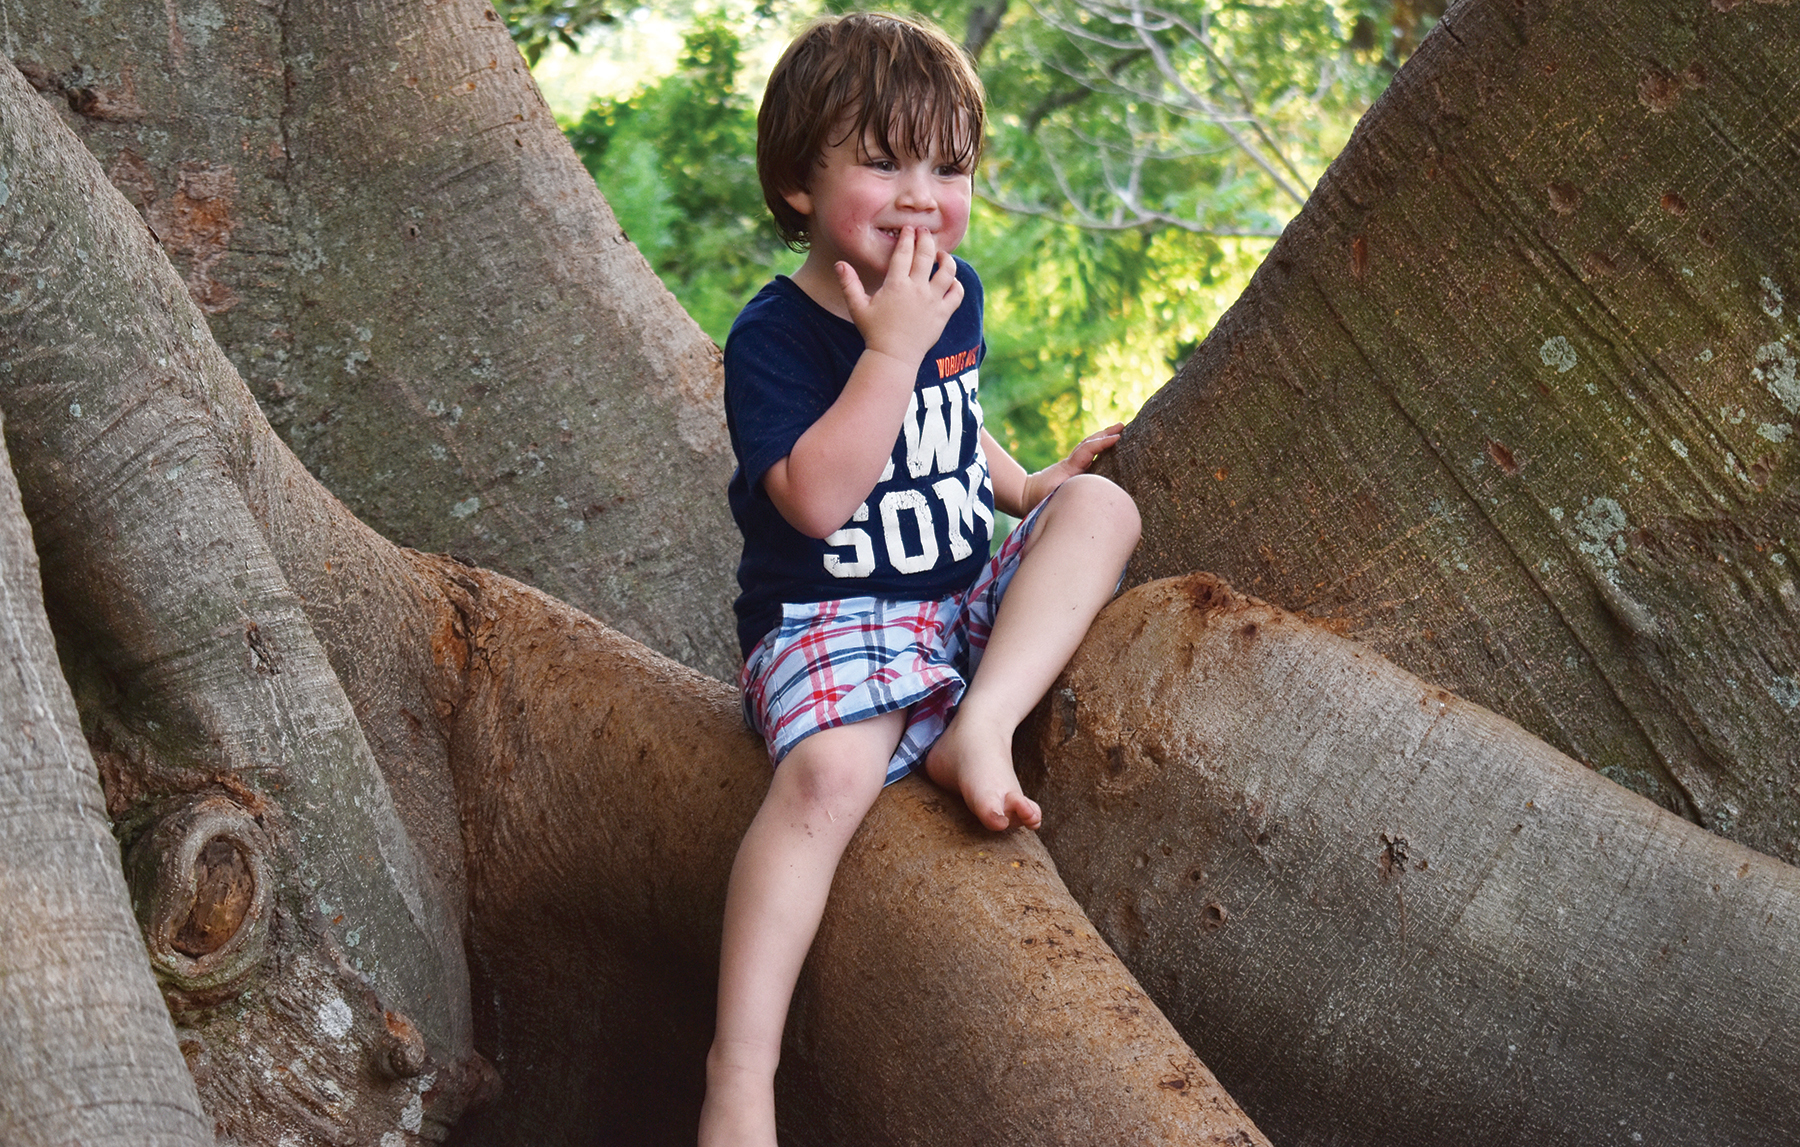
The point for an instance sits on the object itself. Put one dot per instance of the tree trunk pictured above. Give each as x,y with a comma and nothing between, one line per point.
1512,400
403,257
366,763
86,1051
1386,915
338,766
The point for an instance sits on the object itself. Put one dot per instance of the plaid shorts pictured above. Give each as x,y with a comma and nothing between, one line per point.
833,663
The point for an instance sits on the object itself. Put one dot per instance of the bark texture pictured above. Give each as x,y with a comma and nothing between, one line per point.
1513,399
1386,915
286,910
956,994
959,992
87,1054
418,279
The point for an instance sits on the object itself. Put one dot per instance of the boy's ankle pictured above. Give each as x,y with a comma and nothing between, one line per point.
735,1062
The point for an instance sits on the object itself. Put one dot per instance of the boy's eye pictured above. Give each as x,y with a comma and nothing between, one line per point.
951,170
881,163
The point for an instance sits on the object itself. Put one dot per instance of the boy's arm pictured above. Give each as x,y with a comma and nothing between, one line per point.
1018,493
839,458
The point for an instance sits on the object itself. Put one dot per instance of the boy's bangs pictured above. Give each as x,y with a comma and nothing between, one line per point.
916,120
913,93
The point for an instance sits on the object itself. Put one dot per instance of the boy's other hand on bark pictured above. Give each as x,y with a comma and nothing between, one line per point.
1039,485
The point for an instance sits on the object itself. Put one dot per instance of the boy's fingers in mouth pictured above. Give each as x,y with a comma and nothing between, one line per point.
924,249
902,253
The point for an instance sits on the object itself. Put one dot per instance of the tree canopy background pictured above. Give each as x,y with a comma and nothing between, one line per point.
1140,161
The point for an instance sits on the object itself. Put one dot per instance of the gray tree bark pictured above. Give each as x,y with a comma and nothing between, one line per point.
1385,915
87,1054
418,279
1513,399
323,750
267,857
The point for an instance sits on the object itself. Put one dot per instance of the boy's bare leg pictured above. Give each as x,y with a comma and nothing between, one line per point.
1066,574
779,883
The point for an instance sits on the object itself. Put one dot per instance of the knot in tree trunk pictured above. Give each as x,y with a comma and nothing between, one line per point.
200,889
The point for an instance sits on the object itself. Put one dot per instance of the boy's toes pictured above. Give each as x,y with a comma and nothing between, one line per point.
1021,809
992,813
1004,810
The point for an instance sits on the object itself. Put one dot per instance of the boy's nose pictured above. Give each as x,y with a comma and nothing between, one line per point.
916,192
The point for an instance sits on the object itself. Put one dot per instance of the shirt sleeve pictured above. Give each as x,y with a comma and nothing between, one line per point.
777,384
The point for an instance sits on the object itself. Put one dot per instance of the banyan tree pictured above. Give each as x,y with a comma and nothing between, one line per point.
369,774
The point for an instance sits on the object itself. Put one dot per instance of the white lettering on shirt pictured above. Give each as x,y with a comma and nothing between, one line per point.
934,437
963,504
864,565
895,502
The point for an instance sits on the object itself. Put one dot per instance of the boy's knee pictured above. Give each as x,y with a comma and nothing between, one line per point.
1105,502
819,773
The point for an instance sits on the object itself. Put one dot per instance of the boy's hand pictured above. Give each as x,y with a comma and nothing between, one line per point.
1039,485
905,316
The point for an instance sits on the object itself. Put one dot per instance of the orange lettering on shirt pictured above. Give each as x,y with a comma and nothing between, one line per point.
956,363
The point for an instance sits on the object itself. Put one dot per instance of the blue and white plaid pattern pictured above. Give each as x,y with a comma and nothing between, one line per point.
833,663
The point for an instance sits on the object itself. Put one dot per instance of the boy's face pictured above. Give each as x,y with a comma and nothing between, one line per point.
860,198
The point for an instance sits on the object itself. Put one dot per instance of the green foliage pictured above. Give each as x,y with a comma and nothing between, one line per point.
536,24
1139,164
1083,327
1214,116
677,162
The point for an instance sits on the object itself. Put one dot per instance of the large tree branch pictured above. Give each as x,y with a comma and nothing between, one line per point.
410,267
953,986
86,1052
1533,377
224,723
1348,885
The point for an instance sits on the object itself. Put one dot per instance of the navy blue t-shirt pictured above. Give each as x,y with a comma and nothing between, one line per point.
923,532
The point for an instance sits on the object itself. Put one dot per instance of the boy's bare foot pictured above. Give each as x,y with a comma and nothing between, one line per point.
739,1110
977,762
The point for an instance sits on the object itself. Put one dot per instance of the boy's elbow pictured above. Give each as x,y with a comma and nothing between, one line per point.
817,528
815,509
815,522
795,508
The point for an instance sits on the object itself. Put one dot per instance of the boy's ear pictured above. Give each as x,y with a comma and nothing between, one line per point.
800,201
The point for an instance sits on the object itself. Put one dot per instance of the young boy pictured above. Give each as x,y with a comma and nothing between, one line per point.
865,491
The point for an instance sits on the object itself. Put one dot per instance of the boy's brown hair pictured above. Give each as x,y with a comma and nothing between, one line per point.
867,75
